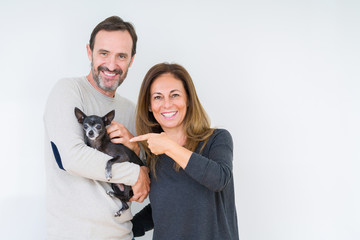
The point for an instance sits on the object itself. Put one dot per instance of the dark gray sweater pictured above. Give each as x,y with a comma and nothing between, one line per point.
197,203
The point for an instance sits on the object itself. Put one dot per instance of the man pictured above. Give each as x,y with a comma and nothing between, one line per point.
77,204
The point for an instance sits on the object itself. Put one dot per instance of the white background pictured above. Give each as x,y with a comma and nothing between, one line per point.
281,76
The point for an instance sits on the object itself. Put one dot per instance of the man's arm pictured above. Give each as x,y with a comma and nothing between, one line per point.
66,136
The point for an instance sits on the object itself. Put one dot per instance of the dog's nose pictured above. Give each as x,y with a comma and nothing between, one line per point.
91,133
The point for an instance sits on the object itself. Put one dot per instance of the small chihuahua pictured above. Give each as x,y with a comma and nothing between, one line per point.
97,137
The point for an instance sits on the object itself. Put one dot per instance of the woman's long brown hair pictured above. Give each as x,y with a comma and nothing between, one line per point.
196,122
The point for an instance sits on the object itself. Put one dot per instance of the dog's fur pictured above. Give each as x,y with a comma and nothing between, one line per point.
97,137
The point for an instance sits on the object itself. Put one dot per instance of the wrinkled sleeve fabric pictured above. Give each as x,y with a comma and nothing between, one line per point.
66,137
213,170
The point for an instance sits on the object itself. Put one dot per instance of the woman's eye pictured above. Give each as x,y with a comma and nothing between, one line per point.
157,97
175,95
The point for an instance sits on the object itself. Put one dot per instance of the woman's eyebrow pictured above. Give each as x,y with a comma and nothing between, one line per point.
174,90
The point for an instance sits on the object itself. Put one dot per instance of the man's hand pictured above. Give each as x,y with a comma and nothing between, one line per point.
141,188
118,133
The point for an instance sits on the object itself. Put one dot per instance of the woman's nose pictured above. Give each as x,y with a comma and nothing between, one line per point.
167,103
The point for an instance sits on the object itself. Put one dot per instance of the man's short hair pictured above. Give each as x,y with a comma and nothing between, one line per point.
114,23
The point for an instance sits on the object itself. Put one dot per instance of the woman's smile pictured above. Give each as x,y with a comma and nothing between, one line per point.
169,115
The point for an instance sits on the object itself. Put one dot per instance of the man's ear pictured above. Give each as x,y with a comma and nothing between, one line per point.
131,61
89,52
109,117
79,115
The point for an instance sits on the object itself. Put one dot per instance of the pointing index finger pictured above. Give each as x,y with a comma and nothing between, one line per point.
140,138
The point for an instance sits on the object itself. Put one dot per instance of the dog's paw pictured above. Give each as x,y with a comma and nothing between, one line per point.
118,213
110,193
108,175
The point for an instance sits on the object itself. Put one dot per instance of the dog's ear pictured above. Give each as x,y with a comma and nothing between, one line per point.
79,115
109,117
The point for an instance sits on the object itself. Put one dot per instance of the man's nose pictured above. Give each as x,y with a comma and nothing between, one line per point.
111,64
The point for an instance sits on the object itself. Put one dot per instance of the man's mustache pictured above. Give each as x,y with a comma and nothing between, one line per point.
116,71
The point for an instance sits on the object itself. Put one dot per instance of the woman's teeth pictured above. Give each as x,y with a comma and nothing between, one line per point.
167,115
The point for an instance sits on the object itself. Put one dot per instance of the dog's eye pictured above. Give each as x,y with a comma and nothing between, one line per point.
98,126
85,127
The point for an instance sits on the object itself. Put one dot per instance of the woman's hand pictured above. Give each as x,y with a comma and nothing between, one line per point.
162,144
157,143
118,133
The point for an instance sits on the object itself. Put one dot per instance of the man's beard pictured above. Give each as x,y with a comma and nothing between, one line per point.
101,82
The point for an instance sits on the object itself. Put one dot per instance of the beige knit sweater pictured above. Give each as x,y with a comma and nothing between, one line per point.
77,204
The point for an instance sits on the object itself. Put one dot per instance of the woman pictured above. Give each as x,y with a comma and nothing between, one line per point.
192,188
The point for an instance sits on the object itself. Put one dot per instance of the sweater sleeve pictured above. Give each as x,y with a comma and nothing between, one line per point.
142,221
213,170
67,139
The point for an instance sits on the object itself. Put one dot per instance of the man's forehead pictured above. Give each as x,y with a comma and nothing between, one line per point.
118,41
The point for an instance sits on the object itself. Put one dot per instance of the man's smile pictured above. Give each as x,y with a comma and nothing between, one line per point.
109,74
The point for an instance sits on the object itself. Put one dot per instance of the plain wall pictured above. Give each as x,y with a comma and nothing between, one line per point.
281,76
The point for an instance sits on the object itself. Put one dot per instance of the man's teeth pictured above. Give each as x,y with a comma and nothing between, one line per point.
109,74
169,114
